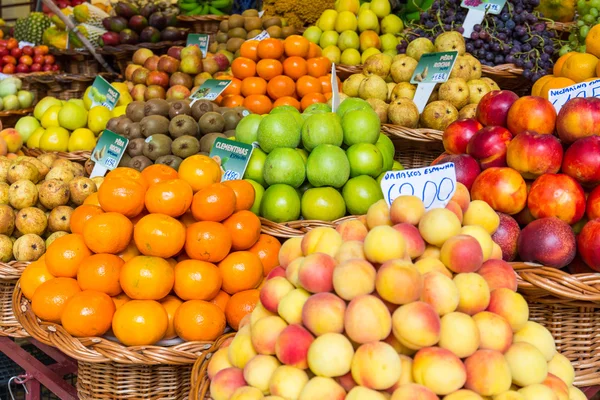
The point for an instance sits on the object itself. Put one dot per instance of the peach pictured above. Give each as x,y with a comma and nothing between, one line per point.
273,291
396,274
367,319
440,292
459,334
244,321
462,197
321,240
438,225
353,278
376,365
346,380
350,250
488,373
324,313
509,395
289,251
291,272
330,355
378,214
413,391
455,208
352,230
498,274
258,313
226,382
473,291
292,346
319,388
415,245
384,243
265,333
537,335
259,370
287,382
557,385
406,374
439,370
407,209
576,394
462,253
425,265
488,146
399,347
416,325
463,394
538,392
277,271
430,252
484,239
247,393
494,331
290,306
527,364
513,307
273,398
316,272
362,393
218,362
496,252
557,195
240,351
480,213
561,367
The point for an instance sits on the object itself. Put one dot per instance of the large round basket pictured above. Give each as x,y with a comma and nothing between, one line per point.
9,274
344,71
508,76
75,156
79,62
8,119
69,86
199,379
203,23
418,134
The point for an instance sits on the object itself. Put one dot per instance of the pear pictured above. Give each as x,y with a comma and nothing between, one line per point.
350,85
468,111
477,89
82,139
475,67
378,64
50,117
381,8
462,68
367,20
418,47
373,87
491,82
403,69
403,89
450,41
381,109
72,116
456,91
438,115
403,112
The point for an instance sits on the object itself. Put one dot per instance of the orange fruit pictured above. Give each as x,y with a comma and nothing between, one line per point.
234,87
319,66
269,69
81,215
128,173
158,173
244,193
199,320
199,171
172,197
221,300
241,270
122,195
258,104
207,241
120,299
147,278
65,254
130,252
249,49
312,98
296,45
554,83
159,235
326,83
187,219
270,48
592,41
171,304
101,272
295,67
232,100
213,203
240,305
88,313
197,280
314,51
556,70
109,232
308,84
281,86
539,84
580,67
33,276
50,298
243,68
287,101
140,322
92,200
267,249
244,227
253,85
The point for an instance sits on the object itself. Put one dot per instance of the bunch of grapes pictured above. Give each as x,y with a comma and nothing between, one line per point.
588,15
517,35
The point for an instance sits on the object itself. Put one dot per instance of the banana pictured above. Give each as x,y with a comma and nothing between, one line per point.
220,3
215,11
188,6
412,6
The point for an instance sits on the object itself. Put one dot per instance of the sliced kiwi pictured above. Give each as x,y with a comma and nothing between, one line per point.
170,160
140,163
123,126
271,21
236,21
200,107
224,26
185,146
231,118
135,147
134,131
180,107
154,124
207,141
233,44
135,111
211,122
156,107
183,125
156,146
237,33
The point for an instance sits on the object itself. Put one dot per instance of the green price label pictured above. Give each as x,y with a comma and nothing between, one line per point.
200,40
103,93
434,67
490,6
232,156
109,150
210,89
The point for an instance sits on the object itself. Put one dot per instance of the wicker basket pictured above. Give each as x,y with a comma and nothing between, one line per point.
344,71
9,273
203,23
508,76
199,383
420,134
8,119
69,86
78,62
75,156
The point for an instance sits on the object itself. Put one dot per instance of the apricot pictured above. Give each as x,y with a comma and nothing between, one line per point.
362,393
438,225
247,393
494,331
415,245
538,336
513,307
324,313
430,252
482,236
225,383
218,361
330,355
289,251
349,250
413,391
320,388
480,213
287,382
352,230
291,272
498,274
474,293
378,214
455,208
367,319
273,291
557,385
376,365
321,240
461,253
259,370
407,209
292,346
291,305
416,325
440,292
488,373
265,332
384,243
240,351
509,395
538,392
346,381
316,272
353,278
430,264
439,370
462,196
527,364
576,394
459,334
463,394
395,274
562,368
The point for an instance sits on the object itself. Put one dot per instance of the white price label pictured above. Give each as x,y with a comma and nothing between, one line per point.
559,97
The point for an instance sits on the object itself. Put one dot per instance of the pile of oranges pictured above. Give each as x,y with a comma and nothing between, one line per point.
274,72
156,255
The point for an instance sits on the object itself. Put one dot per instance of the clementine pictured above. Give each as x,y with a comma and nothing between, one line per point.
270,48
159,235
92,200
140,322
319,66
253,85
130,174
244,227
267,249
269,69
249,49
240,305
287,101
232,100
199,320
312,98
244,193
156,173
100,272
197,280
130,252
207,241
171,304
199,171
295,67
50,298
109,232
65,254
308,84
258,103
88,313
243,67
33,276
314,51
241,270
234,88
147,278
281,86
221,300
120,299
296,45
81,214
213,203
122,195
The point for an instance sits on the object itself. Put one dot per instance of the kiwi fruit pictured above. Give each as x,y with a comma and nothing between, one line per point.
274,31
111,125
236,21
231,118
207,141
270,21
135,111
154,124
229,133
224,26
136,147
250,13
134,131
183,125
156,107
252,23
288,31
253,34
185,146
124,160
170,160
221,110
234,44
222,37
200,107
242,111
179,107
211,122
222,46
123,126
237,33
157,145
140,163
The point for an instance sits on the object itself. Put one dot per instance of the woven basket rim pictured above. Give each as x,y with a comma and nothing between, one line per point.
9,328
12,270
12,113
200,18
416,134
124,48
78,156
199,382
296,228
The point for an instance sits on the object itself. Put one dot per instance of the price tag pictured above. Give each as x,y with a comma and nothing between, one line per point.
261,36
434,185
335,90
23,44
210,89
103,93
261,13
232,156
108,152
200,40
433,68
477,10
559,97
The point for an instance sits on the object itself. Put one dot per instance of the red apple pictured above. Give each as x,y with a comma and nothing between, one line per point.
457,135
47,67
27,60
178,92
578,118
548,241
222,61
140,75
507,236
531,113
9,60
488,146
557,195
158,78
533,154
16,52
154,92
168,64
55,67
151,63
582,161
4,52
592,207
49,59
502,188
493,108
138,92
35,67
467,168
22,68
27,50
